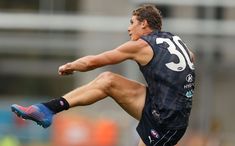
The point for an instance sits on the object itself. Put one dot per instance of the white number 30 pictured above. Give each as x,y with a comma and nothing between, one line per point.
172,48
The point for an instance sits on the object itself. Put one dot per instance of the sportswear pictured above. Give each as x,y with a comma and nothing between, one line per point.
170,81
37,112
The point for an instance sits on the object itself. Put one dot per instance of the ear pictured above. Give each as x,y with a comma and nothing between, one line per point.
144,24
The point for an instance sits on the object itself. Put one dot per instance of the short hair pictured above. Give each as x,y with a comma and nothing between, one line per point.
151,14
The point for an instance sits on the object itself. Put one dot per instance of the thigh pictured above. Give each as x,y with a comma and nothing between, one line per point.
129,94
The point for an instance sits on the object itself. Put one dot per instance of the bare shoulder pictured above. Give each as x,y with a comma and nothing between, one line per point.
141,45
138,50
133,46
144,52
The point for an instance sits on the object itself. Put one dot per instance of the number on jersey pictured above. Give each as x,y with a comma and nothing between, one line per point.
183,57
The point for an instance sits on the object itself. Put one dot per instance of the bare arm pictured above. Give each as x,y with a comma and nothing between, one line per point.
91,62
129,50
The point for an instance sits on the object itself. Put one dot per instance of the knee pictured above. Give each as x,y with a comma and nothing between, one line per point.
106,79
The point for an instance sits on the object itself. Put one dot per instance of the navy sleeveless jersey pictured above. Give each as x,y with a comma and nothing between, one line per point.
170,78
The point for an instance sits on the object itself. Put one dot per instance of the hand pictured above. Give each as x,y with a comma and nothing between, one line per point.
66,69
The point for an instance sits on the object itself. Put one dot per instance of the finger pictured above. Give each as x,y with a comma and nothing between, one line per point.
67,72
62,68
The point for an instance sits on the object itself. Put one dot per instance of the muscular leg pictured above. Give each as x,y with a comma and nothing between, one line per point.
130,95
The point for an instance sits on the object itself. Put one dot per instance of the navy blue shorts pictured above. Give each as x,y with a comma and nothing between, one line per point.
153,134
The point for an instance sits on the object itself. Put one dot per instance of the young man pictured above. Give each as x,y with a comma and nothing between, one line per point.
162,106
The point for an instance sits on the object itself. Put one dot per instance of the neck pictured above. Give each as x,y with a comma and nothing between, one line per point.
147,31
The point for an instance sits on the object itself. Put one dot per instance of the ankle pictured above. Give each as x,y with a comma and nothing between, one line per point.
57,105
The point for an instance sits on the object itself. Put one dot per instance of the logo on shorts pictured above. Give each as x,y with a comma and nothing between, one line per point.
150,139
154,133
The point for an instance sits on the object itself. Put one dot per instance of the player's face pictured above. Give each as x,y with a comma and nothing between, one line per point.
135,28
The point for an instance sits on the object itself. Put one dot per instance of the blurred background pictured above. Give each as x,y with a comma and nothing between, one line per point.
37,36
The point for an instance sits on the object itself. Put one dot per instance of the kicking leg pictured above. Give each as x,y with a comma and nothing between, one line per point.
130,95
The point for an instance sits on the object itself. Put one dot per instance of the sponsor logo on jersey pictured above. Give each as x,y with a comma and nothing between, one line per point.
189,94
189,78
189,85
